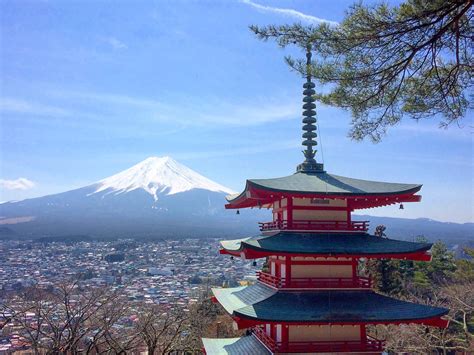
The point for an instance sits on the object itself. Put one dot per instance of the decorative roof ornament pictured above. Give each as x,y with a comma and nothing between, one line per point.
309,120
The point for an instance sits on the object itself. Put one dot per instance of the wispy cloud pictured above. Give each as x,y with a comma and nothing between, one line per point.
247,114
289,13
108,98
264,146
114,43
203,112
14,105
17,184
247,150
99,109
408,129
63,112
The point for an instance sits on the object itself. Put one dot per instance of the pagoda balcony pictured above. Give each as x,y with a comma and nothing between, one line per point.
368,345
314,282
354,226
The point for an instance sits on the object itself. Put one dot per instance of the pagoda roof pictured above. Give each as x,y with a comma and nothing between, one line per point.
233,346
264,304
324,244
316,184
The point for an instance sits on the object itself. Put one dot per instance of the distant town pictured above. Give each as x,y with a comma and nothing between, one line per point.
166,272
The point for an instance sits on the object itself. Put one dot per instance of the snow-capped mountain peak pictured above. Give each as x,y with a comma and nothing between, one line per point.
158,175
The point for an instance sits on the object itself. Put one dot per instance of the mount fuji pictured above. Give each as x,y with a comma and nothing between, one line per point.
157,176
161,198
157,197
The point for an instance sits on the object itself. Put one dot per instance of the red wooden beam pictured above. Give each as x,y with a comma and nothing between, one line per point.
320,208
256,254
243,323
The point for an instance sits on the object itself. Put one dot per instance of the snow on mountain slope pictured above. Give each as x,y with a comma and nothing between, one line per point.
158,175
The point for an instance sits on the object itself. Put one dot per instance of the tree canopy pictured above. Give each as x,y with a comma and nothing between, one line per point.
384,63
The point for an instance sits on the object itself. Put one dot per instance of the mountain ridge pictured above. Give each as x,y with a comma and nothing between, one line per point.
159,197
156,196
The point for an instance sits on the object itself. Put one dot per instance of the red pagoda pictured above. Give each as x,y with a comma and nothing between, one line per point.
310,298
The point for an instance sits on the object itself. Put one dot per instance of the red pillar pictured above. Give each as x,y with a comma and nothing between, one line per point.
289,205
288,270
355,262
285,334
363,333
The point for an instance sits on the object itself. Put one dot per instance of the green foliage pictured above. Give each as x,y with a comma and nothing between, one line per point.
385,62
421,280
465,267
400,277
442,266
386,275
443,282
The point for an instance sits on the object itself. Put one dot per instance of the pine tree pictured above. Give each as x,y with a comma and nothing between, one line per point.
384,63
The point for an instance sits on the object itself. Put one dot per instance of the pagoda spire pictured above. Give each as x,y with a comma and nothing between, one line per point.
309,121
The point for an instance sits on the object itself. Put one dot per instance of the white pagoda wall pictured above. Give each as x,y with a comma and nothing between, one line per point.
321,271
312,215
308,215
319,202
324,333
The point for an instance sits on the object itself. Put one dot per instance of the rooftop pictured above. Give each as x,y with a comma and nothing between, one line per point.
262,303
232,346
258,192
327,244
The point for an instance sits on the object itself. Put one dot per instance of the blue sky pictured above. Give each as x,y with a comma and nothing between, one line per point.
89,88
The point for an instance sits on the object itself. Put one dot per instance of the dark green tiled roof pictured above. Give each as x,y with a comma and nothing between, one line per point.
323,306
325,243
324,183
235,346
242,296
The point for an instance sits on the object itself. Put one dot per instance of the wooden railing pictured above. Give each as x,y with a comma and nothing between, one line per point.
314,282
354,226
370,344
268,341
331,346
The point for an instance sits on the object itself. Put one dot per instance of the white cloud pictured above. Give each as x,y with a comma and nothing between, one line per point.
99,109
270,146
114,99
114,43
207,111
22,106
17,184
289,12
